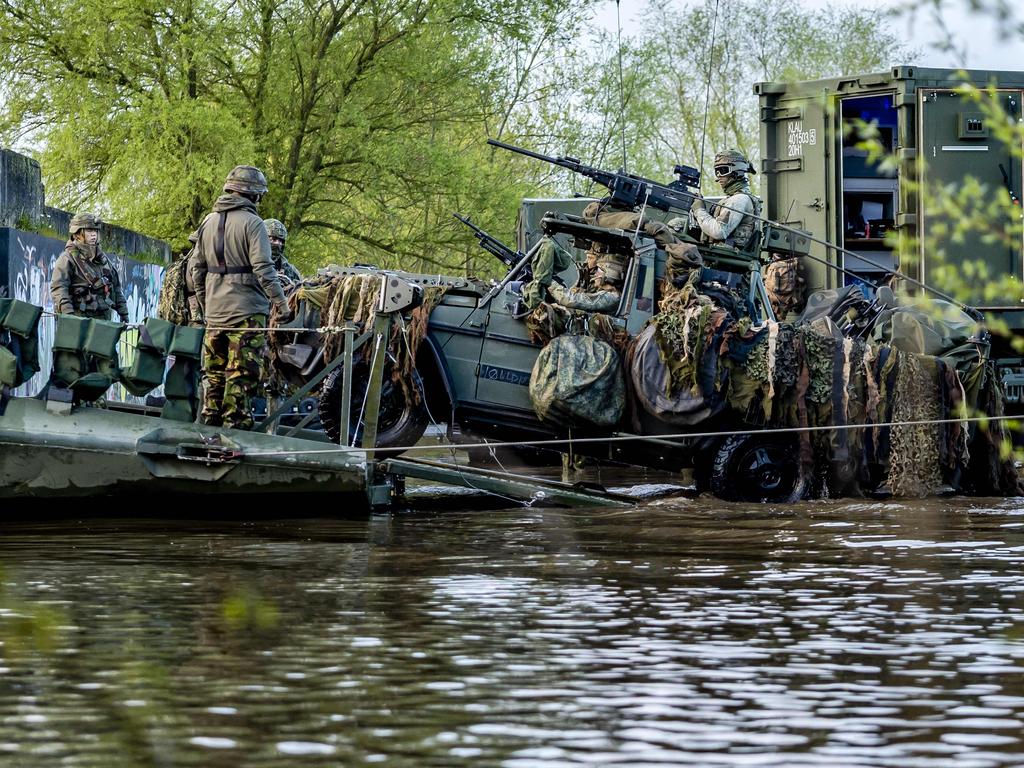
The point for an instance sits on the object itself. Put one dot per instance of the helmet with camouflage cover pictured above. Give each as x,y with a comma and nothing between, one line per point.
246,179
730,161
275,229
82,221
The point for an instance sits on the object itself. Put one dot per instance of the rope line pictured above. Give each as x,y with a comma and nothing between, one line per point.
634,438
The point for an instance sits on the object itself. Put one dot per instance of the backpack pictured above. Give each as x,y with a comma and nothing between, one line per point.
173,304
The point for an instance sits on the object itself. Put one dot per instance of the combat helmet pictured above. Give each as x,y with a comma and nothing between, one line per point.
734,160
247,180
82,221
275,229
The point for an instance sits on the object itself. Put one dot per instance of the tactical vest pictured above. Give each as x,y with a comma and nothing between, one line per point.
92,286
744,237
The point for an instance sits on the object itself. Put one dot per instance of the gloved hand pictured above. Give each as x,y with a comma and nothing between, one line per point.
678,224
283,314
698,202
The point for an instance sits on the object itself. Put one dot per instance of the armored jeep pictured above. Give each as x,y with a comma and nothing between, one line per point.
474,366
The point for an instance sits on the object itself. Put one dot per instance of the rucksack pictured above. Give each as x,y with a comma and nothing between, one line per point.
173,303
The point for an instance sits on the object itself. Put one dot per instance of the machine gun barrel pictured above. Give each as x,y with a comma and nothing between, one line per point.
492,244
627,189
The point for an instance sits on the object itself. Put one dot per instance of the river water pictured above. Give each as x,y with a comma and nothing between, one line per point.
681,632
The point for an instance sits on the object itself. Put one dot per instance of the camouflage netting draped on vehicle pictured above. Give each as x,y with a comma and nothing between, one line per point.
329,302
810,375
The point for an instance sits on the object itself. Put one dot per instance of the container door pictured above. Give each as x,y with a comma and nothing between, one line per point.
958,144
797,138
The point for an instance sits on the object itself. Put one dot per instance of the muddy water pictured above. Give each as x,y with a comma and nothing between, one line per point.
682,632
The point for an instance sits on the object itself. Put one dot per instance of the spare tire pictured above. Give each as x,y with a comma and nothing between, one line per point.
402,418
650,382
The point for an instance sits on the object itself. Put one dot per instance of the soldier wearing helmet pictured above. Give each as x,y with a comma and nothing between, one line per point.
278,235
236,287
733,221
603,294
84,282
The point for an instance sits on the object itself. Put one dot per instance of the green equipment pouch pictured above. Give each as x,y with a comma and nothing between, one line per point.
180,382
8,368
188,342
21,317
177,410
157,334
145,372
102,337
181,390
68,367
92,386
71,333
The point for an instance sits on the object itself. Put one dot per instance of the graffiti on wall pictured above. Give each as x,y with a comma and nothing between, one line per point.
30,260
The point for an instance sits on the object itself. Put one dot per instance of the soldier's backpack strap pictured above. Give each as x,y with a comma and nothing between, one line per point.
218,250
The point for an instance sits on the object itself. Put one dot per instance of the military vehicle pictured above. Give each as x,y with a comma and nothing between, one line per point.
817,174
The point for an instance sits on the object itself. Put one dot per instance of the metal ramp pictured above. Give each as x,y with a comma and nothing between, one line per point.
530,489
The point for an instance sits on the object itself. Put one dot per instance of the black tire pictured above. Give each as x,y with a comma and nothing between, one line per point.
758,468
402,421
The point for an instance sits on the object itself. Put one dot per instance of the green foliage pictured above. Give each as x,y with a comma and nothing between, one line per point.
369,117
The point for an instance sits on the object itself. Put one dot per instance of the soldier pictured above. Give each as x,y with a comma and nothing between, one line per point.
604,298
681,257
278,235
195,314
236,284
732,222
84,282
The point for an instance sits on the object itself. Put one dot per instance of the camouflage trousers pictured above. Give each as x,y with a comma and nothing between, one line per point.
233,362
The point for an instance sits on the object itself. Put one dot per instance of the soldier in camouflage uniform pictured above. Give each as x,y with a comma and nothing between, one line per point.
733,221
604,298
84,282
682,257
236,284
278,235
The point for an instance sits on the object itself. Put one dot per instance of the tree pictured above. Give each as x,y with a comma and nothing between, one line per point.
368,116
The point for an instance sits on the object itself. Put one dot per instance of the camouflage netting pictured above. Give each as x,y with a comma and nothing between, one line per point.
809,375
577,381
330,302
172,305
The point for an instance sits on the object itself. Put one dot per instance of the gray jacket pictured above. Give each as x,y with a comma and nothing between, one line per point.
246,284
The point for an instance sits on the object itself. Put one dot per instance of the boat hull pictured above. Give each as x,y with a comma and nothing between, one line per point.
99,452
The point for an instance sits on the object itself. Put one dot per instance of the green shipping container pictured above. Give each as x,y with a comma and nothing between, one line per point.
817,175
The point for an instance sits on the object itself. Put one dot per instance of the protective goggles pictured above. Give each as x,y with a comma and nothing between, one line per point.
723,170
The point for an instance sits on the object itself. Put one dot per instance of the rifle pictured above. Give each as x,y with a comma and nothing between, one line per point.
491,244
627,189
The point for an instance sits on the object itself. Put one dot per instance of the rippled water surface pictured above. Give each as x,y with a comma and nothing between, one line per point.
682,632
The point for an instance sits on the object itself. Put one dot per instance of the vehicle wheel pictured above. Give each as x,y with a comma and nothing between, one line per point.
758,468
401,421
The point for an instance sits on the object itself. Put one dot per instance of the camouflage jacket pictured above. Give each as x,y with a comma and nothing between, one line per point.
246,283
85,283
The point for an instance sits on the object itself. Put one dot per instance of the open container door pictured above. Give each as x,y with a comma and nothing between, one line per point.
958,143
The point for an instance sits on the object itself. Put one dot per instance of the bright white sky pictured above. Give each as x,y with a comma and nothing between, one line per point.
975,34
